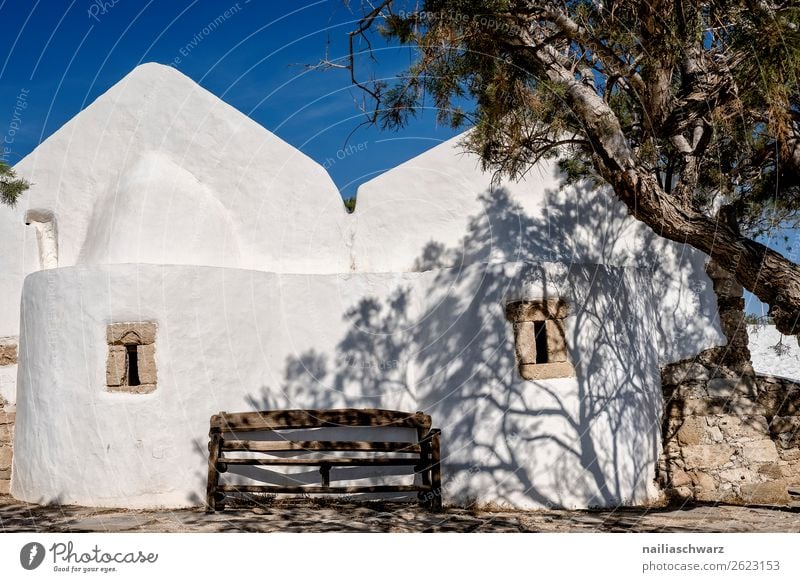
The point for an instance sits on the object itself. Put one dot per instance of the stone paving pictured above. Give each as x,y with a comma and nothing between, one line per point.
309,516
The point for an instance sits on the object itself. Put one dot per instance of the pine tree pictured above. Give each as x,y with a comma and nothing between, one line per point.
11,187
680,107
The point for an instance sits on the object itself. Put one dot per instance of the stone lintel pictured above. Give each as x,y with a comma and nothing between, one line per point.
128,334
536,310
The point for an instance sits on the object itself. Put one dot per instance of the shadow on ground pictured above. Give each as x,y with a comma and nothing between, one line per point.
307,516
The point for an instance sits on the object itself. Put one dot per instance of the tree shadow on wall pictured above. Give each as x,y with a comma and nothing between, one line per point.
440,343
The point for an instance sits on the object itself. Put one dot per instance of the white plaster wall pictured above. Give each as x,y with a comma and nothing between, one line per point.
231,339
157,159
162,214
440,200
440,210
20,256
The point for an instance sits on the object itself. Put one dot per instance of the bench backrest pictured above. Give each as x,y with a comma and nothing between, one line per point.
272,420
226,445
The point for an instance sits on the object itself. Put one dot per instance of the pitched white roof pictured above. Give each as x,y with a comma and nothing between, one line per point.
159,170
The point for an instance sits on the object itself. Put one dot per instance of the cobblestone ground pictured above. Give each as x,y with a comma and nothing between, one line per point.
305,516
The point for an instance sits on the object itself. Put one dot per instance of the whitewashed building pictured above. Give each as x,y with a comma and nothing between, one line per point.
173,258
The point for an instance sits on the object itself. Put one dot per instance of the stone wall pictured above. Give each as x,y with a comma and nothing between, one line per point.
781,400
729,438
6,436
8,353
729,434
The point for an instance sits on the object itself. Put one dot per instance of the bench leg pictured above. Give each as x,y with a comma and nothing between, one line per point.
424,469
213,474
436,472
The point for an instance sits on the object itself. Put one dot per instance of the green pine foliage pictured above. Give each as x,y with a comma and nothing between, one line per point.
11,187
730,74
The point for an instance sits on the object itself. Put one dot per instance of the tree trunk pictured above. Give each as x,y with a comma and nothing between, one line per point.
767,274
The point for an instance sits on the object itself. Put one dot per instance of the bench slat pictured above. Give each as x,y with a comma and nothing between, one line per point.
297,419
277,446
342,461
318,489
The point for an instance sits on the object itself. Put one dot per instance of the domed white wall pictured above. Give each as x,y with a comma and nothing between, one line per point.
435,341
162,214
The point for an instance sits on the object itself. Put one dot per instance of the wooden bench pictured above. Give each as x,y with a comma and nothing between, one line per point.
226,444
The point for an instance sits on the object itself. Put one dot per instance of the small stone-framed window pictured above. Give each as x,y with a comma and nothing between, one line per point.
540,339
131,365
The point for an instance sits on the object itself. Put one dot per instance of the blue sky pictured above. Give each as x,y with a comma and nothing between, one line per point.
65,53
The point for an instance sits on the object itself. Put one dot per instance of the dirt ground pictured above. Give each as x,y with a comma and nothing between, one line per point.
309,516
